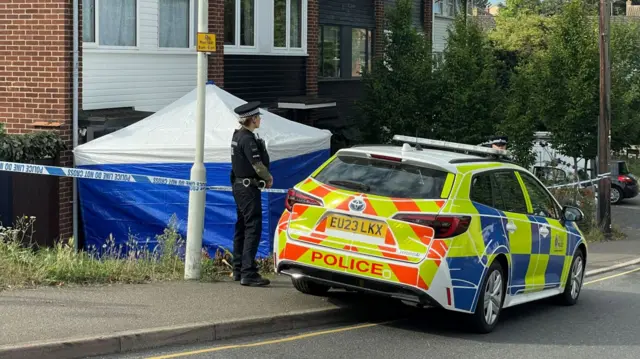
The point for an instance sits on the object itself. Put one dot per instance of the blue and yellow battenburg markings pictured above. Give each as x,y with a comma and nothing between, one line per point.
537,262
113,176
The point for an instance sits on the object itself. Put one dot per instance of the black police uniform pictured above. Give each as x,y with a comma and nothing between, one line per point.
246,150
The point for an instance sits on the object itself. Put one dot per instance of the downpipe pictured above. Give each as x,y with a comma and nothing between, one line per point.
74,126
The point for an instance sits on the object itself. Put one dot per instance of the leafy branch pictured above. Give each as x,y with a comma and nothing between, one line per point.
30,147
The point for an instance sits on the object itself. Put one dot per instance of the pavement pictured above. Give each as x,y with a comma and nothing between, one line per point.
603,324
71,322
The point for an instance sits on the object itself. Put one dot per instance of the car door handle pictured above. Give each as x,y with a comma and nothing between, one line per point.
511,227
544,231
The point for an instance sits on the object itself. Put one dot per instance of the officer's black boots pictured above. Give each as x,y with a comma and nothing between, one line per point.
256,281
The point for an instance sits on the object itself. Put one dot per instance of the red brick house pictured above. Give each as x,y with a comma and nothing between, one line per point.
137,56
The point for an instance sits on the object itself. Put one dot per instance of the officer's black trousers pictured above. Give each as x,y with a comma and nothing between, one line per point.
248,229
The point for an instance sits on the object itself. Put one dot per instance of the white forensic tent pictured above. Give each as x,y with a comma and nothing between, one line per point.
163,144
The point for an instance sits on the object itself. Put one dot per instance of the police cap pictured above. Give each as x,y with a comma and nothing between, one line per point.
498,140
247,110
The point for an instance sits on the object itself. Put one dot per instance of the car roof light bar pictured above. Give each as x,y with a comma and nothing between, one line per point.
452,146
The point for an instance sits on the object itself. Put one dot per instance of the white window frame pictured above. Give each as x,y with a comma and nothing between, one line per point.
444,4
264,22
96,25
237,48
303,34
193,23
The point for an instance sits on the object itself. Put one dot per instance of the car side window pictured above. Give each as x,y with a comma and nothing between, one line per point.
543,205
509,196
481,190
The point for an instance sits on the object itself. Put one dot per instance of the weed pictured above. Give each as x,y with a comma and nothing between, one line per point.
134,262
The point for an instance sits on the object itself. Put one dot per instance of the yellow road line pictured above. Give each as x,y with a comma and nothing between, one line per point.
613,276
324,332
268,342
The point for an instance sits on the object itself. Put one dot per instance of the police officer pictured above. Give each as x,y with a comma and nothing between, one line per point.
497,142
249,173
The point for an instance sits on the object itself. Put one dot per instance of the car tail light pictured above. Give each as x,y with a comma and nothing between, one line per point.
444,226
626,179
294,197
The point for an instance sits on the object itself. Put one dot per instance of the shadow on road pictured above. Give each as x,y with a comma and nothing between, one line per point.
599,318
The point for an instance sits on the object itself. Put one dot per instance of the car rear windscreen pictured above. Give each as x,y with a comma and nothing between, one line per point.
383,178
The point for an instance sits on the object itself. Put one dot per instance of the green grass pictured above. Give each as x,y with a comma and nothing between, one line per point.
23,265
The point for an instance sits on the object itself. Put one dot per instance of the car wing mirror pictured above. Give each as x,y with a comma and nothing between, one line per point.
572,214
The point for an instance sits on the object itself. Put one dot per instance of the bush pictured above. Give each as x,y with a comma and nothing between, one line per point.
30,147
585,199
21,265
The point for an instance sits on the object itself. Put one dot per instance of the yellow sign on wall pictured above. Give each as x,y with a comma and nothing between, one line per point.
206,42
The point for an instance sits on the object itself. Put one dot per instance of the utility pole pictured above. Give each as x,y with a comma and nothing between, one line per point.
195,220
604,188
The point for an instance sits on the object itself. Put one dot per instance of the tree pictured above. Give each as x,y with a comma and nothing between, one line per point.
522,7
522,115
521,33
398,90
567,75
625,85
481,4
468,88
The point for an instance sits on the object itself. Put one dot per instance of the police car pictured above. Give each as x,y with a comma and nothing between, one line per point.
431,223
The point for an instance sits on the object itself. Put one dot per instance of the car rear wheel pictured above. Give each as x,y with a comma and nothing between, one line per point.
490,301
616,195
574,282
308,287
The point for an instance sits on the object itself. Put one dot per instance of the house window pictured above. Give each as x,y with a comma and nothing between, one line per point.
110,22
437,7
448,8
329,66
344,51
173,23
438,59
196,4
360,51
287,24
239,23
88,21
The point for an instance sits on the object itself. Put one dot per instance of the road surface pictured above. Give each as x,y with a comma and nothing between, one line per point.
604,324
625,215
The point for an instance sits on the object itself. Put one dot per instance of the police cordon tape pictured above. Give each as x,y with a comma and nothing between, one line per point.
594,180
114,176
135,178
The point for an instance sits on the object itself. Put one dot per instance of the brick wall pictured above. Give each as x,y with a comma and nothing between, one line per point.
216,26
380,21
36,39
428,20
312,47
